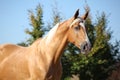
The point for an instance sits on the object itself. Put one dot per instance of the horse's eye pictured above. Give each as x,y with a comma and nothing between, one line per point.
77,28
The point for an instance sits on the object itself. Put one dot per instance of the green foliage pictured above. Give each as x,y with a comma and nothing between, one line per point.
22,44
56,17
97,64
115,51
37,25
36,21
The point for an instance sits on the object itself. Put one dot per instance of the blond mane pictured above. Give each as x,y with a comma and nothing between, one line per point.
51,33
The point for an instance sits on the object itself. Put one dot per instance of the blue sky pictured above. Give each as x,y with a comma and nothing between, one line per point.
14,17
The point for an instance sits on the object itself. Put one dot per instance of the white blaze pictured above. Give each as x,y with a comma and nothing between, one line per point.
87,39
82,24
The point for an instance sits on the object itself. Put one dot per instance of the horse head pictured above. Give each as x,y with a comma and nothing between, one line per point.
77,32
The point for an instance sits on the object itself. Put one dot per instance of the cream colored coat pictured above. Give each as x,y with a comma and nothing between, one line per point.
41,60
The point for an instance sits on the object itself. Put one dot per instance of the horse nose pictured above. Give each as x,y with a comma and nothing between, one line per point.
85,47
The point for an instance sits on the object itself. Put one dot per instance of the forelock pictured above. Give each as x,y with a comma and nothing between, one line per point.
79,19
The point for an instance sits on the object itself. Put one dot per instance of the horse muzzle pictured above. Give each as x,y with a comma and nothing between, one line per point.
85,47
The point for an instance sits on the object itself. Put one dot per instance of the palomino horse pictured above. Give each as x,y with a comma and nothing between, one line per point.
41,60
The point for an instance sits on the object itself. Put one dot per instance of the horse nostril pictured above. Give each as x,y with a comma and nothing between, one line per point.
84,47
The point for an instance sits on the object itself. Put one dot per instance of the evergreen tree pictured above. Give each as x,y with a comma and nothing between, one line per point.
56,17
36,22
100,59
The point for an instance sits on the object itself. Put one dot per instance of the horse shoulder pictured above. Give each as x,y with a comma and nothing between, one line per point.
13,62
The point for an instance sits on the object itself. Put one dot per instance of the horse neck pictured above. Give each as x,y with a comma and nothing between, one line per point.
56,42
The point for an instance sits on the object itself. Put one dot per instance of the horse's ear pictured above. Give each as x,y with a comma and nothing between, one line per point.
76,14
85,15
